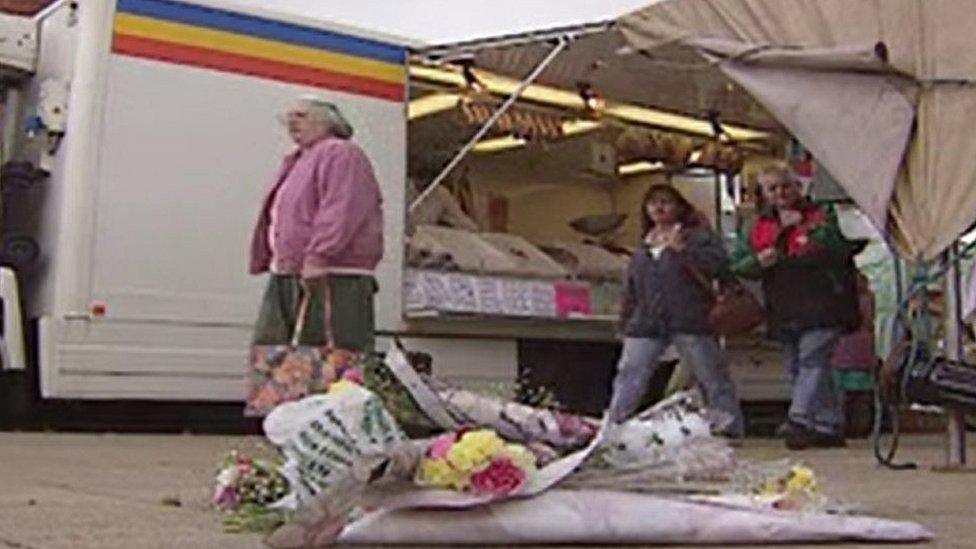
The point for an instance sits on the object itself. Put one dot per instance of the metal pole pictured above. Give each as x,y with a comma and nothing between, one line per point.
560,46
952,314
10,116
718,203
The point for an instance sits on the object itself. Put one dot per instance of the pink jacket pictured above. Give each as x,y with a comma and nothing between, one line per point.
329,218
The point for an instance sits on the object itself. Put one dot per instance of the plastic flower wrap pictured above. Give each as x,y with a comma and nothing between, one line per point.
323,435
672,438
476,461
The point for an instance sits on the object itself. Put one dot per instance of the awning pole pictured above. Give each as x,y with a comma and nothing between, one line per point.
560,46
718,203
956,425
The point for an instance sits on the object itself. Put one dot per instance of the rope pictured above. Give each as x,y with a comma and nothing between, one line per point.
917,325
887,459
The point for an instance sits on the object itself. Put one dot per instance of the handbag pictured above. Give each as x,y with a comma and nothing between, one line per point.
284,373
734,309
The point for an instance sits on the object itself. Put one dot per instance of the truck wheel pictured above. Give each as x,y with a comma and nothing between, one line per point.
19,252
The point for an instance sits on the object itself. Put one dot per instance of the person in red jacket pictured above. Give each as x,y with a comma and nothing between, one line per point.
806,266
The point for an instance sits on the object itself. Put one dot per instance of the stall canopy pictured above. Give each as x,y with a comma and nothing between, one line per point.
882,93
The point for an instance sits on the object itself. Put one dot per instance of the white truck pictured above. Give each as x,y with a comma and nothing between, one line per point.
156,124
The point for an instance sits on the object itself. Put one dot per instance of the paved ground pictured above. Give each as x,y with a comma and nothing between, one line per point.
95,491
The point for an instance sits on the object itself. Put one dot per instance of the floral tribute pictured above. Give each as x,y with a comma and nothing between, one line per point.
245,490
795,490
477,461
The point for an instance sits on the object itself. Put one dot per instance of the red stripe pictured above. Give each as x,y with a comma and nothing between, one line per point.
274,70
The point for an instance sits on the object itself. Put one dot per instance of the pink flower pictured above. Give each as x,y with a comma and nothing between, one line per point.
572,426
353,375
499,479
225,498
439,447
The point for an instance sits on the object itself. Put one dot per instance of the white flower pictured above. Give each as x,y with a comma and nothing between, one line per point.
228,477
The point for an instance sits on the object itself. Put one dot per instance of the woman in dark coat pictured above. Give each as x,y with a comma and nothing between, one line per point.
667,301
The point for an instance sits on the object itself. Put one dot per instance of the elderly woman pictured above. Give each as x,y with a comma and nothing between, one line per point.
808,276
667,302
320,234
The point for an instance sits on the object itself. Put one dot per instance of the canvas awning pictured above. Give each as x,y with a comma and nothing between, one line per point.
881,92
673,79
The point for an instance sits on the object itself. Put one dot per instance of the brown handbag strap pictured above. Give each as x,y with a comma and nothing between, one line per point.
300,318
327,312
699,277
303,308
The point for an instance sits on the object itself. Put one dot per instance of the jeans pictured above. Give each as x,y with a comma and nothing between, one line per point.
815,403
640,357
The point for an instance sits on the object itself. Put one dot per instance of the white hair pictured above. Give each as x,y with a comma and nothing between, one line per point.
779,169
328,113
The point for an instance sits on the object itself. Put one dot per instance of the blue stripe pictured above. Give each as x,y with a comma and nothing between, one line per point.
179,12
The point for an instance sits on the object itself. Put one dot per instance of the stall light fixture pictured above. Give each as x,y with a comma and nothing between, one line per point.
591,101
643,166
576,127
718,129
471,81
432,104
569,127
499,144
557,97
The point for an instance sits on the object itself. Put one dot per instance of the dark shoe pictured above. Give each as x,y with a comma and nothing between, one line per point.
825,440
797,437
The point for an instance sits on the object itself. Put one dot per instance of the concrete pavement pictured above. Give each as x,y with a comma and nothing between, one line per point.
105,491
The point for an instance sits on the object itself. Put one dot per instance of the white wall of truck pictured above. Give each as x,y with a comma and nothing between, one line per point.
149,210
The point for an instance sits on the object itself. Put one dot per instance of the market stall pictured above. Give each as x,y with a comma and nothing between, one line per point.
528,158
550,181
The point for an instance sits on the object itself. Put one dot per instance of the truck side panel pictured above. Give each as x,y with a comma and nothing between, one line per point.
189,141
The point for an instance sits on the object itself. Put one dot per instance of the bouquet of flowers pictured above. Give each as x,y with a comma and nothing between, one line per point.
476,461
795,490
784,486
245,490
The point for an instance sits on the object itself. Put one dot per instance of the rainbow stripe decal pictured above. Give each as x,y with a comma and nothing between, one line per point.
198,36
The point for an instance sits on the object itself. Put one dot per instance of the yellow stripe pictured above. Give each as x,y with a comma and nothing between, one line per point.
188,35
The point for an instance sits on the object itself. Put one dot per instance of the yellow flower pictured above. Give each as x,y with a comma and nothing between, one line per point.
485,439
801,479
340,386
464,458
439,473
474,450
519,455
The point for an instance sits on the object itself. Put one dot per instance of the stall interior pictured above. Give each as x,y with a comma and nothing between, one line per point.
539,218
